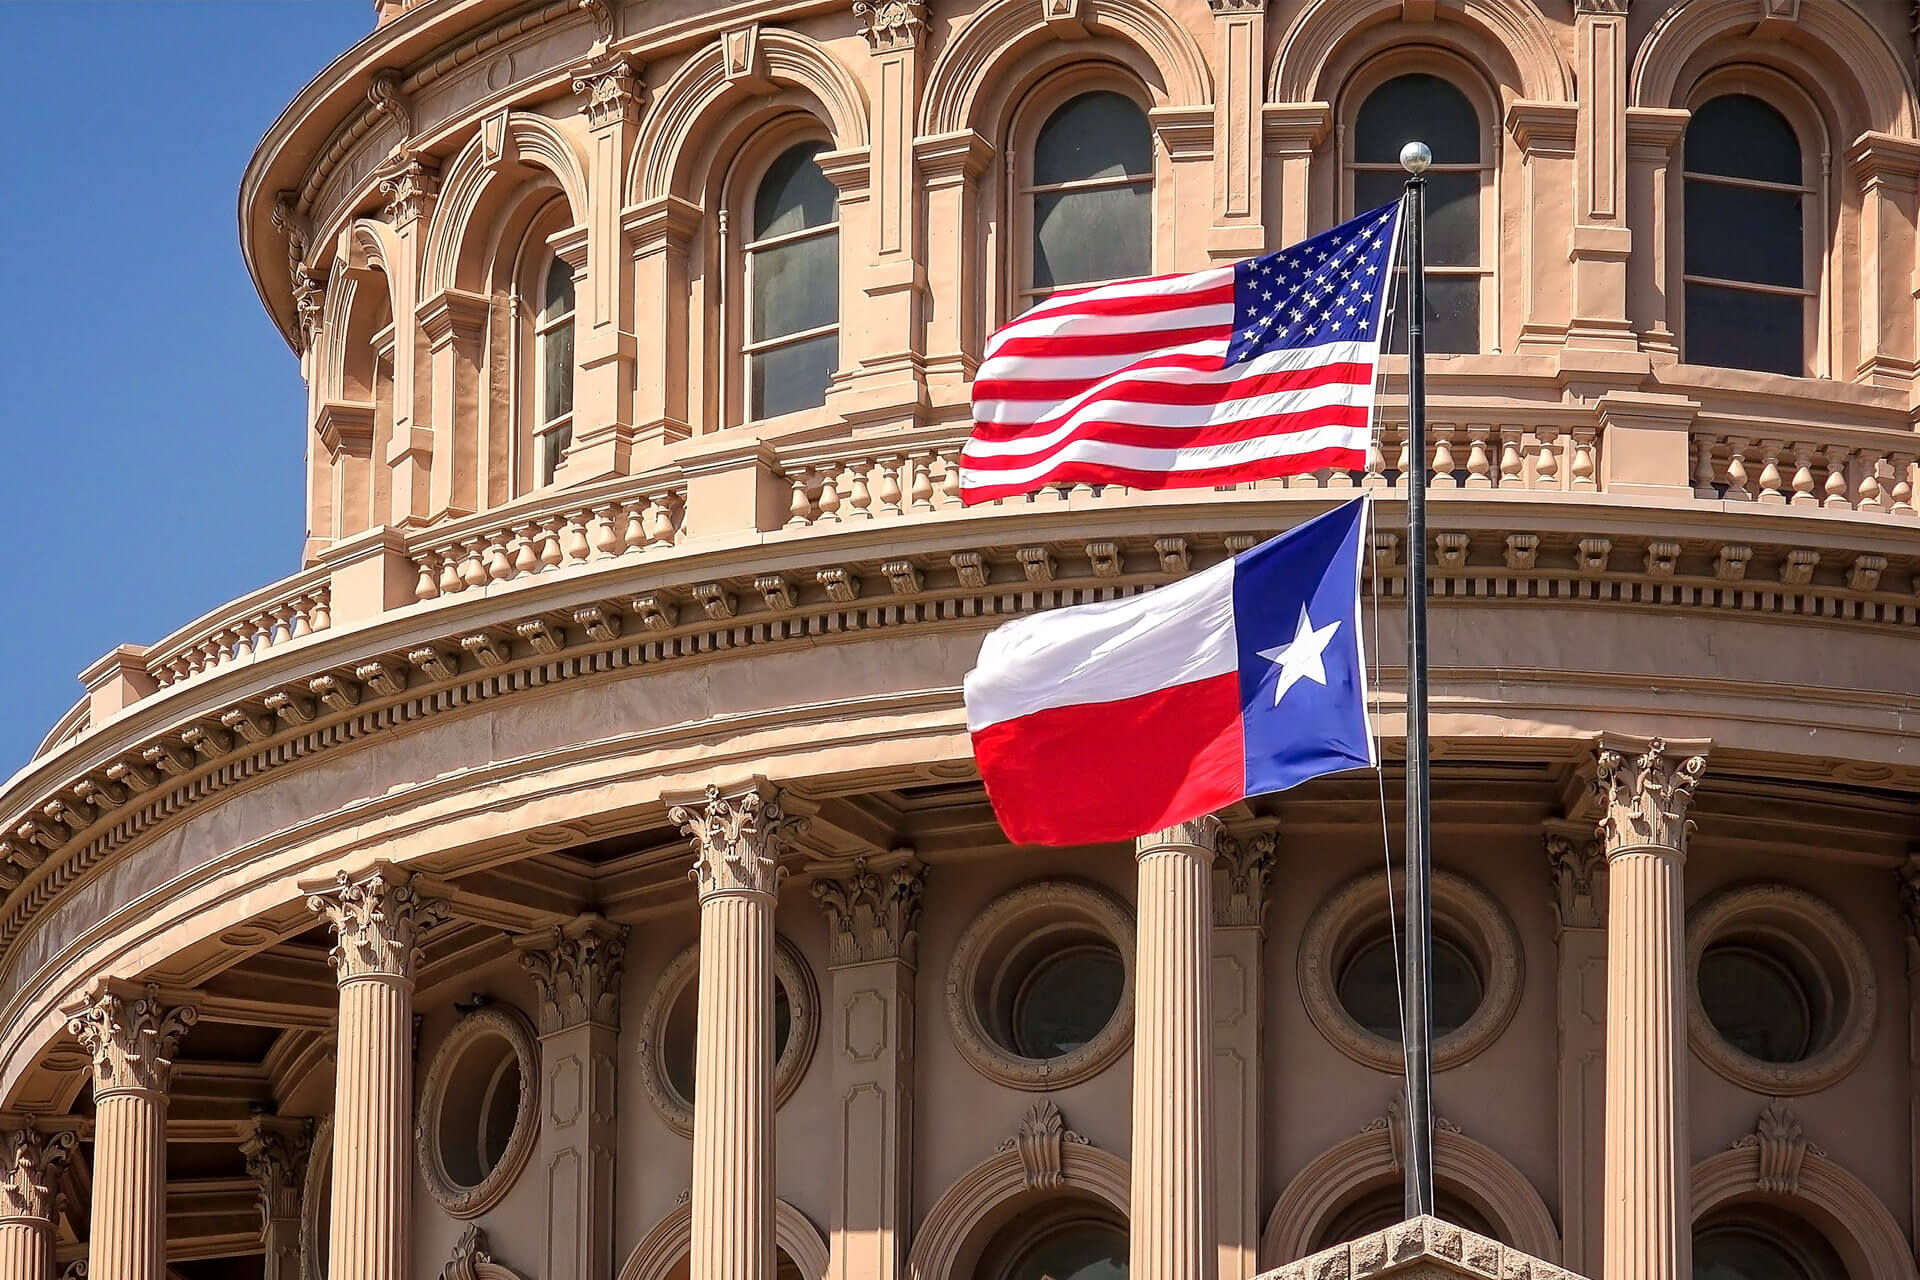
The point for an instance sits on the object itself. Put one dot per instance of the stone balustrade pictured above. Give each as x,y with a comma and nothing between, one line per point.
477,553
1866,471
242,631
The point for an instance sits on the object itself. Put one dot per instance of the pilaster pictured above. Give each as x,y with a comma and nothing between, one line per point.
738,836
660,237
1577,866
1910,900
577,968
1887,170
453,324
1645,787
378,919
607,346
1243,873
276,1151
1653,137
30,1199
1171,1218
1546,133
411,186
1601,236
131,1032
873,921
1240,42
951,166
1291,132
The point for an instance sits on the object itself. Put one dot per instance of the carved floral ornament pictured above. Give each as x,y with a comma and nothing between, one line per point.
576,967
1645,795
30,1182
612,92
1247,863
132,1033
1782,1147
873,915
276,1156
737,839
1040,1140
891,24
378,920
1579,895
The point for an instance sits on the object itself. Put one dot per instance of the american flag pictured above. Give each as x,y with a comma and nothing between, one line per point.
1260,369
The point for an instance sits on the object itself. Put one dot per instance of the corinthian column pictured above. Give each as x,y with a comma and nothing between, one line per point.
132,1032
377,920
276,1154
737,838
1171,1222
30,1200
1645,788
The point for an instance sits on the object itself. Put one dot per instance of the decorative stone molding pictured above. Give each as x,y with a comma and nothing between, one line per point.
873,915
1423,1247
1393,1122
471,1261
1247,864
1579,900
1356,912
1820,938
803,1031
387,99
1782,1146
737,838
410,187
984,947
612,93
276,1155
378,919
1042,1134
576,967
891,24
1852,1214
662,1252
436,1110
1600,8
132,1032
1645,794
30,1179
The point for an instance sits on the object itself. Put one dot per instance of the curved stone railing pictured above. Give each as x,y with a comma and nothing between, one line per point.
244,629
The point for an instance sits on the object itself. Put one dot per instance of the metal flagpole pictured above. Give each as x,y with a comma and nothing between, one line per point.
1417,1031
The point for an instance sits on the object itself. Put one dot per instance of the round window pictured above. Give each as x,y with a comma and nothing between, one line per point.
478,1109
1756,1003
668,1031
1370,993
1783,989
1040,989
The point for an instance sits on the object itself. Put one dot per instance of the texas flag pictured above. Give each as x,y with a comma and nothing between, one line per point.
1107,721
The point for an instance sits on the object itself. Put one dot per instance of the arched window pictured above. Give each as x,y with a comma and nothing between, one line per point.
793,285
553,369
1087,195
1459,196
1382,1207
1754,1244
1748,304
1067,1240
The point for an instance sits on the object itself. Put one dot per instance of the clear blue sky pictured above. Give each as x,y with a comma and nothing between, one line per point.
152,415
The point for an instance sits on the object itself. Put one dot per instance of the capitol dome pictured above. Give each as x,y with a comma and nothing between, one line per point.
576,867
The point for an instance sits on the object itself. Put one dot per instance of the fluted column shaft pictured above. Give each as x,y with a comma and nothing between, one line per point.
1171,1221
377,919
1648,1228
132,1033
26,1249
30,1201
737,837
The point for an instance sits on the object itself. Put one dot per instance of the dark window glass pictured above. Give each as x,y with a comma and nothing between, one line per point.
1453,315
1739,136
1081,1252
1370,996
795,194
1737,329
559,299
1096,135
556,372
1103,234
1067,1000
789,378
1742,233
503,1107
1737,1254
1421,108
796,287
555,353
1756,1004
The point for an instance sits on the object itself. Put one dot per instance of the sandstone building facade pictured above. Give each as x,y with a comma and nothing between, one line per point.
348,931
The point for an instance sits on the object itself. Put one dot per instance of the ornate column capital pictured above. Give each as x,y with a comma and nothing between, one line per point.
378,919
1203,833
1226,8
612,94
132,1032
1600,8
1575,865
1248,863
577,968
737,836
873,915
891,24
410,186
30,1182
276,1154
1645,787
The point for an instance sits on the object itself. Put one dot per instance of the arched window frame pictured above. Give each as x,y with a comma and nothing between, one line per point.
1022,137
737,246
1480,93
1804,1244
539,442
1012,1243
1804,116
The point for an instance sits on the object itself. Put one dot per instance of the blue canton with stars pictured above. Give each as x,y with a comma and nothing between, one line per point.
1331,288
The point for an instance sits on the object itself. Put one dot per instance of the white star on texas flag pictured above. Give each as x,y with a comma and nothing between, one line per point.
1300,658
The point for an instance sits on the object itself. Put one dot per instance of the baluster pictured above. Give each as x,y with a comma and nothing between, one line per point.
450,583
1583,460
950,480
1546,464
299,621
1375,477
799,504
526,558
1737,470
920,491
1902,494
859,496
1803,476
1443,477
1703,486
889,491
320,608
663,519
1770,481
633,527
1870,495
1402,461
498,563
550,555
602,533
1513,468
829,496
1479,465
472,571
279,624
429,584
573,536
1836,486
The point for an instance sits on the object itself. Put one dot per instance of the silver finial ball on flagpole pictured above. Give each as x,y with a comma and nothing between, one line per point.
1414,158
